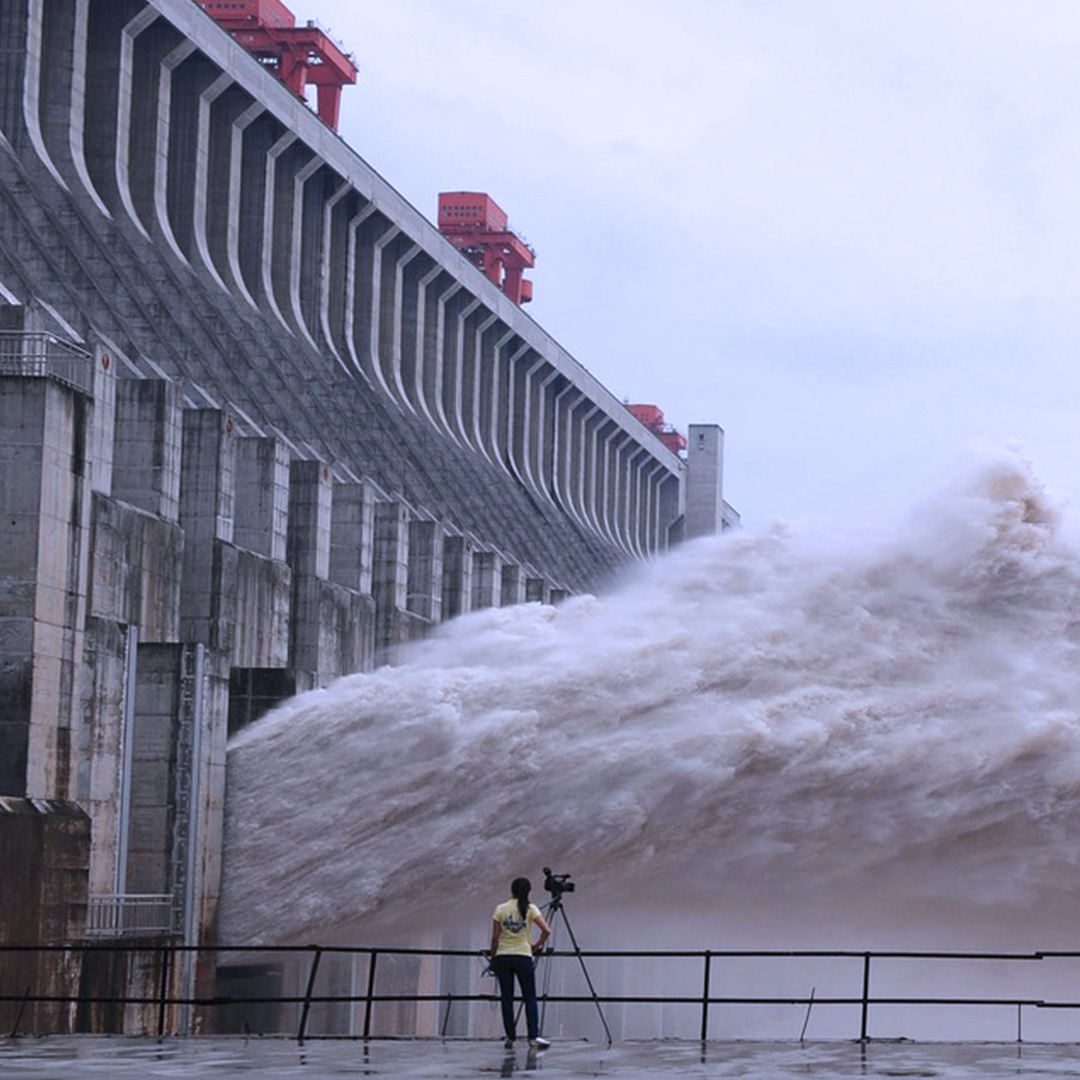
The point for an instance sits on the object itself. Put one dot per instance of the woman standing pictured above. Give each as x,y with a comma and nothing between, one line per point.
512,952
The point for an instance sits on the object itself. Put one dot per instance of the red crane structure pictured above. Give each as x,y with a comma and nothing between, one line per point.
300,56
474,223
653,419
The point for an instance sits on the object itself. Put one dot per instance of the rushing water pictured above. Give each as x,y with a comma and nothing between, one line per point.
773,738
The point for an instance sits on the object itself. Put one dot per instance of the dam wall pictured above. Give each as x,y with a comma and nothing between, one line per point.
261,426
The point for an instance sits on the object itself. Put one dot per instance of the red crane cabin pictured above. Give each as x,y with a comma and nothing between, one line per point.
299,55
477,226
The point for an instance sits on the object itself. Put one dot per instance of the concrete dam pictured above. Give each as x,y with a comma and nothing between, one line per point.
263,425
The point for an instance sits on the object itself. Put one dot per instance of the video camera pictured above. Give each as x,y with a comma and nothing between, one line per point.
557,884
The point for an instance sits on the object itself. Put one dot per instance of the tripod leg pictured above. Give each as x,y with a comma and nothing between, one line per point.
550,911
585,972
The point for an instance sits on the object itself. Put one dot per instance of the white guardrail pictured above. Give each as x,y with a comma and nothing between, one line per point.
130,915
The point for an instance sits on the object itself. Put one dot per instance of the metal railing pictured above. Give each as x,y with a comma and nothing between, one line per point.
45,355
130,915
707,1009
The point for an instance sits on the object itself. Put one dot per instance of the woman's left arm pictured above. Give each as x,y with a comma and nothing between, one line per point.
545,933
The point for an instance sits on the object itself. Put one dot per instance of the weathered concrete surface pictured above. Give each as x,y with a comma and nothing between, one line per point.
44,856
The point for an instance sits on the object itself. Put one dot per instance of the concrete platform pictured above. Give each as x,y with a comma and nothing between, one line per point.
277,1059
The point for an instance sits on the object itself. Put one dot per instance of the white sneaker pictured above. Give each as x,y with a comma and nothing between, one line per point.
539,1044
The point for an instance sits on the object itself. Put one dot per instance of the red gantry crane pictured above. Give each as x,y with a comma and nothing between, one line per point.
478,228
653,419
300,56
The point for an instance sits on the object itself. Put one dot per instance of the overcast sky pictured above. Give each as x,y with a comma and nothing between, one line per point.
847,231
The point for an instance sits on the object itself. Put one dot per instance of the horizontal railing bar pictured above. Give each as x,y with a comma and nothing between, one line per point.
550,998
223,955
588,953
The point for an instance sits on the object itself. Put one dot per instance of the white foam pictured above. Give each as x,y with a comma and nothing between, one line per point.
811,733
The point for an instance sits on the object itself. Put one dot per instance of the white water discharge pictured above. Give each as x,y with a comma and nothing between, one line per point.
763,740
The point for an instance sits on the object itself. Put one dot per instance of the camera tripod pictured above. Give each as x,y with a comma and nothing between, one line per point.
556,885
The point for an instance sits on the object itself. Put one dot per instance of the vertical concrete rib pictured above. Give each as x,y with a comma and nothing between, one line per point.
396,258
177,131
15,20
592,481
229,229
434,294
581,410
60,96
417,273
71,35
560,462
618,480
350,284
457,313
524,434
605,476
332,268
203,168
144,41
102,134
190,161
279,255
366,230
510,359
478,328
216,198
644,505
543,443
34,62
435,349
670,502
487,383
259,133
636,457
620,494
308,201
380,305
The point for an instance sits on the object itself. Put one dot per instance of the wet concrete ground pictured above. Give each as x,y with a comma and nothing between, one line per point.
55,1058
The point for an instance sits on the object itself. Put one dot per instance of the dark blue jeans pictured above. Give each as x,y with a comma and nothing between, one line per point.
506,968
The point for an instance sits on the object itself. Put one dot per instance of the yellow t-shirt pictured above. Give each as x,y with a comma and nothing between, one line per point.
515,937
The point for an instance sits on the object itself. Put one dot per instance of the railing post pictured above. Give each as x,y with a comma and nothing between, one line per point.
865,995
22,1009
370,992
705,997
308,992
166,959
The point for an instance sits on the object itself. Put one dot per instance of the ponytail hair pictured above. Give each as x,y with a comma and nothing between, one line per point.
519,889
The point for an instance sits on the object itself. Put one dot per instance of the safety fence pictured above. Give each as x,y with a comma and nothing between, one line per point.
372,992
39,354
130,915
